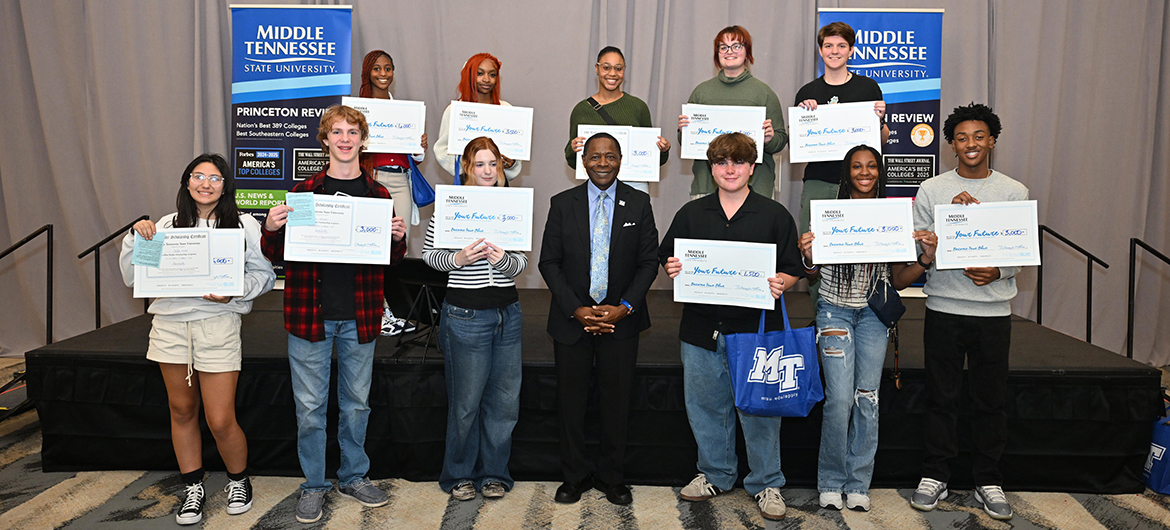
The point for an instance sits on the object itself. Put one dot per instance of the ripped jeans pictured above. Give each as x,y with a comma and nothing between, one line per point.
852,366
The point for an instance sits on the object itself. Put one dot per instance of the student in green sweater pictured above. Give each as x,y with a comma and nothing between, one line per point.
622,109
734,85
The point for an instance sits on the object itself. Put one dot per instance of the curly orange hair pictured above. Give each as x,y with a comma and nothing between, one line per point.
366,91
467,78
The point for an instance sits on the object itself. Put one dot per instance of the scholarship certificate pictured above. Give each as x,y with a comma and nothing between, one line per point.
991,234
345,230
509,127
639,151
709,121
863,231
396,126
195,262
725,273
502,216
831,131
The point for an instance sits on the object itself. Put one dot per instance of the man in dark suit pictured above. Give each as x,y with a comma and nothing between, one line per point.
599,257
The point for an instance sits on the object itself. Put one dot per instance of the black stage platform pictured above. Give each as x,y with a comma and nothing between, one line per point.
1079,416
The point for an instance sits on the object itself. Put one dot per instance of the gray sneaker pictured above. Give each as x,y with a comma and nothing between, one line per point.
994,501
928,494
309,506
365,492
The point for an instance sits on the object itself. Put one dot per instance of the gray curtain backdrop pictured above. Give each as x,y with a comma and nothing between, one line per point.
105,103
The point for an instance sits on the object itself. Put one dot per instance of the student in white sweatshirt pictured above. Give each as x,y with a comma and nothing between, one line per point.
196,341
968,320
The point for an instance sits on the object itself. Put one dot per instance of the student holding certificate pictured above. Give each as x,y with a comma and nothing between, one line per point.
733,213
479,82
852,344
391,170
196,341
611,106
968,321
479,333
734,85
328,305
837,85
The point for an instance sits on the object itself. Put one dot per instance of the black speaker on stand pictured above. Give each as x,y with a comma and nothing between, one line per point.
426,287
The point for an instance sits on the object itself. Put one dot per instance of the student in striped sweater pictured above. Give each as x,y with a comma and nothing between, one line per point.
479,333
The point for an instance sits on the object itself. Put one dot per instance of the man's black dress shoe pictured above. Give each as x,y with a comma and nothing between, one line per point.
618,494
569,493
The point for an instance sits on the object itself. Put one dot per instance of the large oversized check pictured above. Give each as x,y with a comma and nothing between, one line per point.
710,121
346,230
639,151
195,262
502,216
509,127
396,126
991,234
725,273
829,132
863,231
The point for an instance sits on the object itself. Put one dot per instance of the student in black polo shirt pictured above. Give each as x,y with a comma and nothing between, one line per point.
733,213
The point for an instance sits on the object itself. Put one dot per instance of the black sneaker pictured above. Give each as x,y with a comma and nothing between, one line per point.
192,510
239,493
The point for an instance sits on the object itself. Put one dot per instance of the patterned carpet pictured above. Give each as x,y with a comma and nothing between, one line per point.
129,500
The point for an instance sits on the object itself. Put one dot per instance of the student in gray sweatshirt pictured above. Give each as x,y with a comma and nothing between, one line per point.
968,318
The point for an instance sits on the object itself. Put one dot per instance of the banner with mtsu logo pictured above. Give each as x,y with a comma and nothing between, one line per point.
901,49
288,65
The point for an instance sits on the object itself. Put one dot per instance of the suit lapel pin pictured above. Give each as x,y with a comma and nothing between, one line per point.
621,203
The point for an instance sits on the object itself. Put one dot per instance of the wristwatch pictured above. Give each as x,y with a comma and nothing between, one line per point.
919,260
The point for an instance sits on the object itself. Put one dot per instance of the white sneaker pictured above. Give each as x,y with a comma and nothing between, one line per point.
771,504
390,324
699,489
830,499
857,501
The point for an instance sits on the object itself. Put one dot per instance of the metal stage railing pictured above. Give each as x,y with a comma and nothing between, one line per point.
1134,243
48,275
1088,280
97,271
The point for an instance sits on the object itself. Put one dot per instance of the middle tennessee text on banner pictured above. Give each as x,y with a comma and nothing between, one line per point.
902,51
289,64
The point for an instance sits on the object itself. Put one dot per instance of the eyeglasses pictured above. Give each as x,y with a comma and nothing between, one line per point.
737,47
215,179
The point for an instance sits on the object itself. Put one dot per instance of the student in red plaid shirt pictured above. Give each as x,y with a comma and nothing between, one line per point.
328,304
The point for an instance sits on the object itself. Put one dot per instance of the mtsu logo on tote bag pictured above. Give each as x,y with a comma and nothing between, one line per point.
1157,470
775,373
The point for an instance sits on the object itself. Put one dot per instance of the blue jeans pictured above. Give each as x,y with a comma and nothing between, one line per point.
711,412
852,366
310,366
481,349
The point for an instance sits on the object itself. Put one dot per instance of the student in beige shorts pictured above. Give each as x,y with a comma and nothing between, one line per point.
196,341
